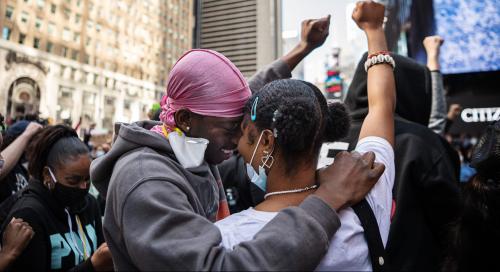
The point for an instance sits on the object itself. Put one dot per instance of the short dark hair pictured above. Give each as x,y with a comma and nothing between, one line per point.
53,146
299,114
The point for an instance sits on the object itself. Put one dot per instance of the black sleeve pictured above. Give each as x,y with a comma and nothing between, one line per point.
35,256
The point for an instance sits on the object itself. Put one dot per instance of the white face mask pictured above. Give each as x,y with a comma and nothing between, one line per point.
190,152
259,179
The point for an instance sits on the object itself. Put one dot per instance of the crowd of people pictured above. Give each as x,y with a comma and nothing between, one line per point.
225,174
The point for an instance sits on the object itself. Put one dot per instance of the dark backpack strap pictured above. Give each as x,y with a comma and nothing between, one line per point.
372,235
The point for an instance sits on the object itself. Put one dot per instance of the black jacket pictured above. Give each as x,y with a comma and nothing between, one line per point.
52,247
425,190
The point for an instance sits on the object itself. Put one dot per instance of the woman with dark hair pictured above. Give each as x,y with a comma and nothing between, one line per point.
284,126
475,236
56,204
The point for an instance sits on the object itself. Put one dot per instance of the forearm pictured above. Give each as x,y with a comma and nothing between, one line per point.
381,86
296,55
437,120
433,61
5,260
381,92
13,153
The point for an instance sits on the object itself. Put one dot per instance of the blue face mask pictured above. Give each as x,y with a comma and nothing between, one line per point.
259,179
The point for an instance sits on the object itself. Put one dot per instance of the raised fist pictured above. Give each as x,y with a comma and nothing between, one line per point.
432,44
368,15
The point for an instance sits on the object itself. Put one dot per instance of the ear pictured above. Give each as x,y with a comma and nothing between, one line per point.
268,141
46,176
183,119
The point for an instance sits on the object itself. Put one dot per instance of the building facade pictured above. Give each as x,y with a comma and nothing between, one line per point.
102,61
248,32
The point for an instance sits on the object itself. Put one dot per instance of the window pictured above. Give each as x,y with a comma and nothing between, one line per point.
67,13
66,34
36,43
49,47
6,33
64,51
53,8
24,17
98,27
78,3
22,37
77,18
74,55
76,38
38,23
9,12
88,41
40,3
51,28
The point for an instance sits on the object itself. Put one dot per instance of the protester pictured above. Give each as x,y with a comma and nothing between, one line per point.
16,236
14,175
475,235
284,127
56,204
165,191
425,189
87,134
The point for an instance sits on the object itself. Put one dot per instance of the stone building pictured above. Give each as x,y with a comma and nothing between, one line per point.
102,61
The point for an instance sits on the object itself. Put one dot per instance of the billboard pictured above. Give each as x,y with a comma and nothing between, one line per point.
471,30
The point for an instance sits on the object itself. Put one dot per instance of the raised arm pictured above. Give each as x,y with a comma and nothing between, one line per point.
313,34
437,121
369,16
15,150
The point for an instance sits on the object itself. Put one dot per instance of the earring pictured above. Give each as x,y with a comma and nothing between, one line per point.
187,129
267,160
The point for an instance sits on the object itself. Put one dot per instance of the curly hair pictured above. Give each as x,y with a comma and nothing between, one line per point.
298,113
53,146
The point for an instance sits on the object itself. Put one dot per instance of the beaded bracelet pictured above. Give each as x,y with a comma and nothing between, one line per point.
379,58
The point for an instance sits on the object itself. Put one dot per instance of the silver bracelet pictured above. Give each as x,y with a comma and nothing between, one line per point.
378,59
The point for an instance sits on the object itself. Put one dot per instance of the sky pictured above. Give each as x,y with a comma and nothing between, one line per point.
342,32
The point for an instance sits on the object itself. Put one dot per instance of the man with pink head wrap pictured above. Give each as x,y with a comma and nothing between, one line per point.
207,83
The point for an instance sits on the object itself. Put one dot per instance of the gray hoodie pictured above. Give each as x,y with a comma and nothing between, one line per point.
159,215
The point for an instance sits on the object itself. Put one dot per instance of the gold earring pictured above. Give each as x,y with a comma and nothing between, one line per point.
187,128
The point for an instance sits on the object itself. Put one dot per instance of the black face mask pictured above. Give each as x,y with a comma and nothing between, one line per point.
70,197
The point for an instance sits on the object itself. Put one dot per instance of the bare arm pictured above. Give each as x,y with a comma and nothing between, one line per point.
13,152
381,85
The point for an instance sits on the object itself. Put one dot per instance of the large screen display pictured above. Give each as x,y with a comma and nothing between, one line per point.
471,29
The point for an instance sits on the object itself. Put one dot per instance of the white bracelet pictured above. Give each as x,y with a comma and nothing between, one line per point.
378,59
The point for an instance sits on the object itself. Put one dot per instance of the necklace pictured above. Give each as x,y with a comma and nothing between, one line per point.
291,191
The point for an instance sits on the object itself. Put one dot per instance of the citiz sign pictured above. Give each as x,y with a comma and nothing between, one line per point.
475,115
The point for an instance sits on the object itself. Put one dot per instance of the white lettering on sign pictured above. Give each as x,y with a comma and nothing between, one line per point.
475,115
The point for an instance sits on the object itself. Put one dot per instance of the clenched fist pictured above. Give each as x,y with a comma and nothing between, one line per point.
368,15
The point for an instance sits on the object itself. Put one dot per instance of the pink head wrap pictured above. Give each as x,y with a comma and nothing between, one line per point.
204,82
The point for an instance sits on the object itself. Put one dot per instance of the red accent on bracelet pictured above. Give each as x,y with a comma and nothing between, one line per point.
379,53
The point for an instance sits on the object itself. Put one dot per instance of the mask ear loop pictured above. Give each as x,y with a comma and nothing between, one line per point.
52,176
256,146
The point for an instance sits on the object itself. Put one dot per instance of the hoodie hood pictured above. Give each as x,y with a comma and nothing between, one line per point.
413,91
127,138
